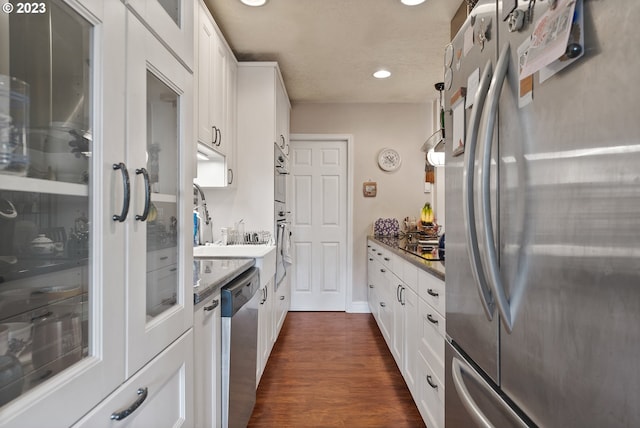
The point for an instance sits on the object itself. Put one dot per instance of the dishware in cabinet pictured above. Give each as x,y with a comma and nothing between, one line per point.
159,147
61,257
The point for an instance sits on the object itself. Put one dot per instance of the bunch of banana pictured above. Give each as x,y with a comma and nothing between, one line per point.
426,215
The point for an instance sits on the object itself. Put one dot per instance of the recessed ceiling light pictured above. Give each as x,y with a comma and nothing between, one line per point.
382,74
254,2
411,2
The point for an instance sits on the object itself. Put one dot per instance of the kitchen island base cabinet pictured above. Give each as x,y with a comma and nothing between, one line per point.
159,395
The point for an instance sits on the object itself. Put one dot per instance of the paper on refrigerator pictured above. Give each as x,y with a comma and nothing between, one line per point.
549,37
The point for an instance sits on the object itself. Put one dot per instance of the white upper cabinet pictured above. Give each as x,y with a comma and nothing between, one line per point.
216,76
171,21
283,108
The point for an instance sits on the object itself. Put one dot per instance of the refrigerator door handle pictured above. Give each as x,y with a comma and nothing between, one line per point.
493,274
457,370
467,193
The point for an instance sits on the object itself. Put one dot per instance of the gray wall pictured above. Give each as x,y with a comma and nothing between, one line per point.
404,127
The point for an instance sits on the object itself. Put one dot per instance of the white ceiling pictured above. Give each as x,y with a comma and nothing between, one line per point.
328,49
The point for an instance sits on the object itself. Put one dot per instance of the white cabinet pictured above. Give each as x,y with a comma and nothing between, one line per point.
159,106
431,345
216,103
408,304
266,326
111,201
171,21
208,349
282,303
283,109
258,85
78,74
158,395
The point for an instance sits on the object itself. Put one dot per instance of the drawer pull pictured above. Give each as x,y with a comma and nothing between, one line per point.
432,293
382,270
370,259
164,258
379,254
212,306
383,304
370,285
430,382
118,416
432,319
387,259
281,297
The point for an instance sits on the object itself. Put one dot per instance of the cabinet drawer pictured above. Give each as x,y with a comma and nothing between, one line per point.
410,275
430,395
161,289
431,337
161,258
168,379
431,289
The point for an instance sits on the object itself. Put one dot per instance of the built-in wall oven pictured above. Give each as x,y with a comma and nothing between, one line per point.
282,214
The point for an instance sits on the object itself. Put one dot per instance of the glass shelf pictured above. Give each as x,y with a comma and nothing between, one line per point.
38,185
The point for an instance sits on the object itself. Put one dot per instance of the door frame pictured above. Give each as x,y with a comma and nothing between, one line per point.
348,138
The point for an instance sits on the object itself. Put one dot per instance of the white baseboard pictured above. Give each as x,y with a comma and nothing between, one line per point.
361,307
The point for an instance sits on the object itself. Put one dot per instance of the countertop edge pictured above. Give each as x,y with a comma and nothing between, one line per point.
415,260
202,292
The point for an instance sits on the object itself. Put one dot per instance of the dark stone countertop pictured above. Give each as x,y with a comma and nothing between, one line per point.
210,275
398,246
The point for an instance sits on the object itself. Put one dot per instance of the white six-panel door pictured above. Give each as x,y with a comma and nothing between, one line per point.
319,224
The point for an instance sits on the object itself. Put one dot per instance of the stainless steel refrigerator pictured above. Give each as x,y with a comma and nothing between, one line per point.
543,219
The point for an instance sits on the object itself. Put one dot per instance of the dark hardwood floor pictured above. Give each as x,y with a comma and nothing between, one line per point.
332,369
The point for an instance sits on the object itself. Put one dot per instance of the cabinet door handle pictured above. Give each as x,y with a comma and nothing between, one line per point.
432,319
127,192
370,285
370,259
399,293
432,293
214,135
218,140
147,194
387,259
281,297
430,382
229,176
382,270
118,416
283,141
402,302
212,306
383,304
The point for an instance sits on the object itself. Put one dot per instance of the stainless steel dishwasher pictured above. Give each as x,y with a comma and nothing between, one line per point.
240,303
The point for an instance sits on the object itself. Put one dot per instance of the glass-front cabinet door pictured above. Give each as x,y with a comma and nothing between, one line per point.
159,143
171,21
61,132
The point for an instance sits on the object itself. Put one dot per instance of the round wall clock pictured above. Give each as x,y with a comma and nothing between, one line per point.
389,159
